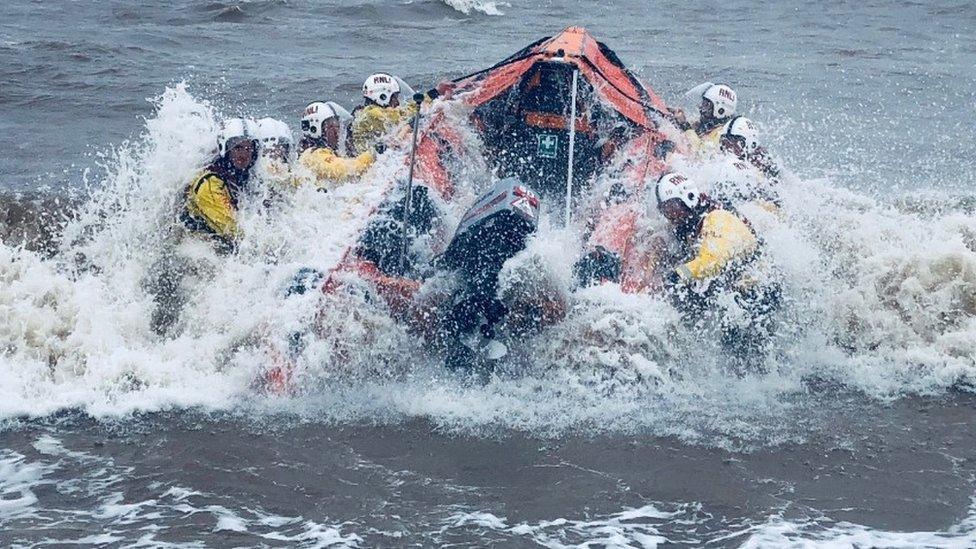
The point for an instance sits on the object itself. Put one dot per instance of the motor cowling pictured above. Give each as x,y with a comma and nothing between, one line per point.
493,230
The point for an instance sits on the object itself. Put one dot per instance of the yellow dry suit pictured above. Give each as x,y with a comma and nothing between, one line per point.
372,122
723,242
330,169
209,211
211,203
726,258
705,140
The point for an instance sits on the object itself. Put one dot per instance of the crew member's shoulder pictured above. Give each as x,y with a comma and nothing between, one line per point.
367,111
315,153
712,134
204,178
721,217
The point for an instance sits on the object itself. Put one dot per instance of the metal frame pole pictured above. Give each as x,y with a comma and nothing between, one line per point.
572,146
404,223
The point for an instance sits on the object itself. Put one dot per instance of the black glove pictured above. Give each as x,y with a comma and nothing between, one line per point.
672,279
224,245
599,265
617,193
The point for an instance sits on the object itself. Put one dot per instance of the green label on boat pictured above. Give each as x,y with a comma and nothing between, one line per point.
548,145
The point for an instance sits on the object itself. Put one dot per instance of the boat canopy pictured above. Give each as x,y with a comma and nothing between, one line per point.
597,63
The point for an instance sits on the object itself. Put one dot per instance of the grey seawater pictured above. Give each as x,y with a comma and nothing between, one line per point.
877,95
186,478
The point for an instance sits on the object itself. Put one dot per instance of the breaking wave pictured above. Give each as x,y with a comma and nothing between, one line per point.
486,7
881,302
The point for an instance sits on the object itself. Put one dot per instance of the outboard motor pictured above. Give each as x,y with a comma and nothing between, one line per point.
491,232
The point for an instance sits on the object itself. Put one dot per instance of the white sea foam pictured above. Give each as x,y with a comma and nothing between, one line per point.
631,528
880,300
79,478
691,525
823,533
486,7
17,479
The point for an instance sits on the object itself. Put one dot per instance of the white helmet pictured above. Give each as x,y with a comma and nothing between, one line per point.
273,132
233,131
675,185
741,128
317,113
380,88
723,100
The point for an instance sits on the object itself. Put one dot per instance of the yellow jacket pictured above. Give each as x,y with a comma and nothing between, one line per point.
210,207
372,122
328,167
705,143
723,239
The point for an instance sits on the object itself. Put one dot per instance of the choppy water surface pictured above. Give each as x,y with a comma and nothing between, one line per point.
858,435
878,93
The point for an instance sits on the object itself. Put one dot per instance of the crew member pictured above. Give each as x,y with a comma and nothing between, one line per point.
382,111
746,173
212,198
209,215
716,108
274,159
740,137
323,128
719,252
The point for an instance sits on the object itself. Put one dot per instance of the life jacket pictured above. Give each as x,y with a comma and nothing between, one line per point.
704,137
372,122
214,216
719,244
330,168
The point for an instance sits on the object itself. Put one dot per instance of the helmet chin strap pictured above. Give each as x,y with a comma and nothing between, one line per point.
309,142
